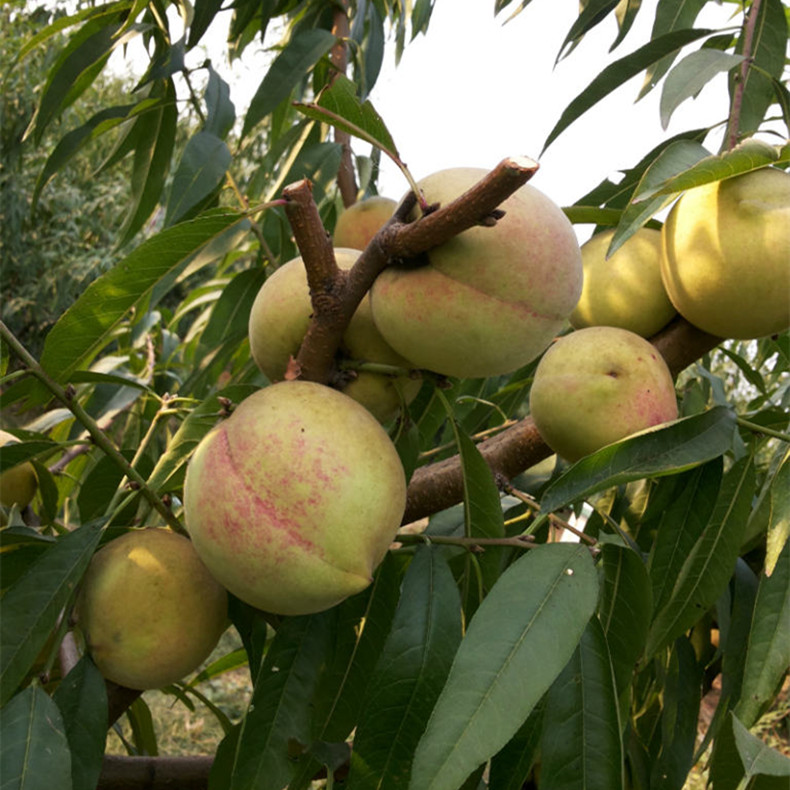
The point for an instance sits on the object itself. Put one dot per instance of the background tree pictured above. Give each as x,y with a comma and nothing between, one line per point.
466,663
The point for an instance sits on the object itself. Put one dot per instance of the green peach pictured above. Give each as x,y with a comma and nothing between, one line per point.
492,298
279,319
18,485
149,609
360,222
293,501
598,385
726,255
625,290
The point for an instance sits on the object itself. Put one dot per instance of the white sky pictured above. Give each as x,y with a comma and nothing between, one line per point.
475,90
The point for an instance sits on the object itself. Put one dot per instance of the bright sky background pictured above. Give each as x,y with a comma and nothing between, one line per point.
476,89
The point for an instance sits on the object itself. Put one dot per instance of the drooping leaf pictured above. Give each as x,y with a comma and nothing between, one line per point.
679,718
301,53
153,149
338,105
624,609
779,521
82,699
625,12
408,676
86,326
711,561
35,753
680,527
205,11
518,641
691,75
592,13
676,447
619,72
220,110
202,168
33,604
581,744
671,15
278,716
768,647
231,312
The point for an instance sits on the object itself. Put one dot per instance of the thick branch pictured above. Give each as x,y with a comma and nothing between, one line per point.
120,772
336,295
440,485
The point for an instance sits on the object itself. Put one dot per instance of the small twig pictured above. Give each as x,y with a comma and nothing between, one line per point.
412,538
734,121
99,437
762,429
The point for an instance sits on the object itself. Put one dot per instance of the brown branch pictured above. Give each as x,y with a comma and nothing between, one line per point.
336,294
440,485
346,181
734,121
120,772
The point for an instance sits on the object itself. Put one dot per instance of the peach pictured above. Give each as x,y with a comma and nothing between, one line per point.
624,290
279,319
598,385
293,501
18,485
149,609
360,222
726,255
492,298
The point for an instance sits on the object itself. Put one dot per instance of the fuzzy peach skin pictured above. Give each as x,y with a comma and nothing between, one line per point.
293,501
596,386
150,611
279,319
726,255
624,290
18,485
360,222
492,298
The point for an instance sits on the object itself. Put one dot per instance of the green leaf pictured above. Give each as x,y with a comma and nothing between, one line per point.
75,68
280,709
153,150
168,474
624,610
511,766
619,72
671,15
678,157
667,450
82,699
202,169
625,12
31,607
301,53
680,527
408,676
581,744
766,62
35,753
220,110
205,11
339,106
768,647
710,563
690,76
88,324
679,717
749,155
592,13
518,641
779,520
230,314
15,453
758,759
141,721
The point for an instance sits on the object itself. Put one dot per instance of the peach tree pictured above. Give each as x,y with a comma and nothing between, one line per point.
529,622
